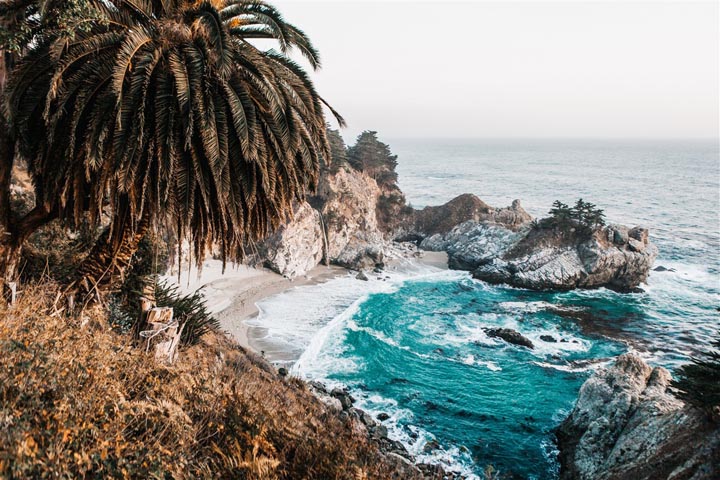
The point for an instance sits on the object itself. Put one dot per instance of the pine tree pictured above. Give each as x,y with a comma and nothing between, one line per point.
374,158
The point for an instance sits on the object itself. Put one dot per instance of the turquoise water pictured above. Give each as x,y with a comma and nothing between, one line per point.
411,343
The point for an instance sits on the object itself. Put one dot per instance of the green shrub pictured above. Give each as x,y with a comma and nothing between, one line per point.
189,310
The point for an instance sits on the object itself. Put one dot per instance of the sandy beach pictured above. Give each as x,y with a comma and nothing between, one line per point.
232,296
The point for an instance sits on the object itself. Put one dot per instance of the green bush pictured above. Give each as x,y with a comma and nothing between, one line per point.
189,310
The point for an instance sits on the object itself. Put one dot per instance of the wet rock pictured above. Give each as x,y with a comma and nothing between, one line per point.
282,371
343,396
510,336
661,268
382,416
548,338
361,276
430,446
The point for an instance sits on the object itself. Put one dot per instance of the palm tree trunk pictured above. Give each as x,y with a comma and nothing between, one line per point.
104,268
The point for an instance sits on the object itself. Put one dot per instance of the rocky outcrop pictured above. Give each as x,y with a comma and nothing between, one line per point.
472,244
338,224
526,256
297,246
627,425
467,207
546,260
348,202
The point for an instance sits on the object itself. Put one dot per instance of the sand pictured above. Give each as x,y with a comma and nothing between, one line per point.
232,296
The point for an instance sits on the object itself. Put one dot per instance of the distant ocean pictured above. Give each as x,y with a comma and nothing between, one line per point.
412,345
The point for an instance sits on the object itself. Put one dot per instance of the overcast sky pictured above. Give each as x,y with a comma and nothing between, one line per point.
489,70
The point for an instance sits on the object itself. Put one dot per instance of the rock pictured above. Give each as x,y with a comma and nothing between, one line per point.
635,245
660,268
296,247
361,276
619,235
348,201
510,336
472,244
549,260
343,396
282,371
382,416
640,234
548,338
430,446
442,219
627,425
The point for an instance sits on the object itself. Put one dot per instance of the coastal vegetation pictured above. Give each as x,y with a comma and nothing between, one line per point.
583,218
698,382
157,116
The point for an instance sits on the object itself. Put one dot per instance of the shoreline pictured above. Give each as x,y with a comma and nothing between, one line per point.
232,297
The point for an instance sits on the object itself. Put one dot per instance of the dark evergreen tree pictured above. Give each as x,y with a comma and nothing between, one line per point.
374,158
698,382
338,152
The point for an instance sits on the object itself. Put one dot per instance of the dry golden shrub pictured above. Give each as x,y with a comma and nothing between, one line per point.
78,400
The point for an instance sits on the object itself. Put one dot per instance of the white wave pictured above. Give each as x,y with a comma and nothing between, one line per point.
400,427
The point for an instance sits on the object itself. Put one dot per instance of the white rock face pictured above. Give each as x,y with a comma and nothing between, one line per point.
525,258
472,244
296,247
350,201
626,425
347,203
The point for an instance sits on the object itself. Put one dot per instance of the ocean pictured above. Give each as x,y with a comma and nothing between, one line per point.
410,342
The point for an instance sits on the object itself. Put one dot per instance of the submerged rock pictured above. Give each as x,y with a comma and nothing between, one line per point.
627,425
510,336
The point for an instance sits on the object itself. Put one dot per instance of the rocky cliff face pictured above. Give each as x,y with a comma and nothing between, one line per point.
297,246
338,224
463,208
504,247
548,261
626,425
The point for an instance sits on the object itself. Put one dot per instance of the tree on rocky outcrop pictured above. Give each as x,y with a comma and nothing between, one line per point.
164,115
584,217
374,158
698,382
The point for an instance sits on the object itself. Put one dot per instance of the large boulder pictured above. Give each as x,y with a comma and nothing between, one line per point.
472,244
627,425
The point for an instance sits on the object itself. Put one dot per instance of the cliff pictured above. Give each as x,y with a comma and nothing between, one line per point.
338,225
350,222
627,425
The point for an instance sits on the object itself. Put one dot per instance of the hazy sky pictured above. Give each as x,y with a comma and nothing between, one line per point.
511,69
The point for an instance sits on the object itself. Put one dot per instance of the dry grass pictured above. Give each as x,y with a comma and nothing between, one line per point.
79,401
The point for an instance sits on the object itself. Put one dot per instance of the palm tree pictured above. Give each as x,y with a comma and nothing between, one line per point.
164,114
